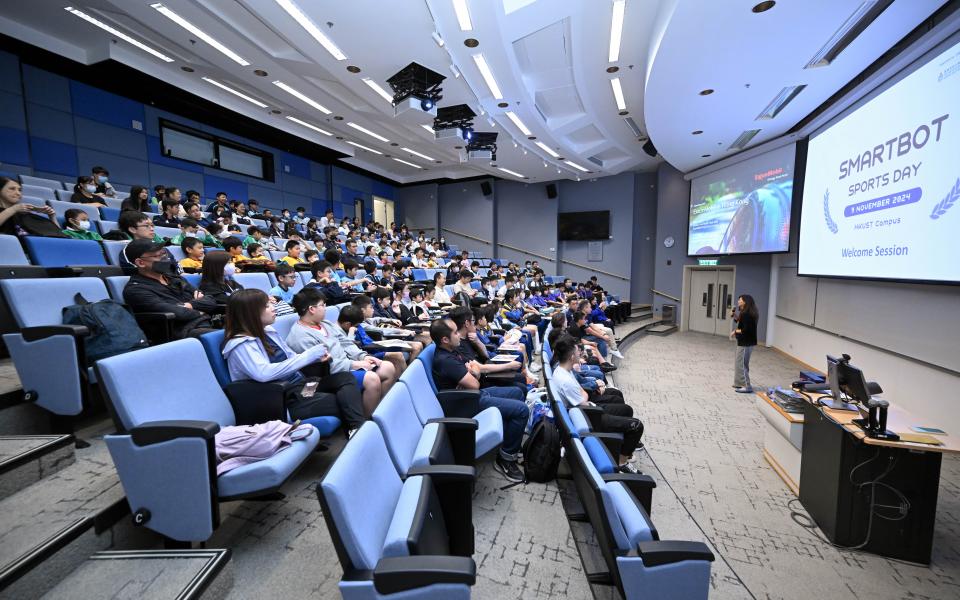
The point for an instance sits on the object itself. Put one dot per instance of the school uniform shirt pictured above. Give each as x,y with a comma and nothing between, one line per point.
80,234
293,262
448,368
190,263
79,198
164,221
566,386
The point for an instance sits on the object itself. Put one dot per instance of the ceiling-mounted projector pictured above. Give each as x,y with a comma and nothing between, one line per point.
453,122
482,145
416,87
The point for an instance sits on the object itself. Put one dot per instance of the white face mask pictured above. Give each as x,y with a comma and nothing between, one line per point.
90,188
224,234
84,225
229,270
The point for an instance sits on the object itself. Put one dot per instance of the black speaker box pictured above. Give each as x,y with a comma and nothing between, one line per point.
486,188
551,190
649,148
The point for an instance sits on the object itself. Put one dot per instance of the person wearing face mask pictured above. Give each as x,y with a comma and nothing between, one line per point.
301,216
139,200
101,177
156,287
216,279
85,192
137,226
78,225
189,228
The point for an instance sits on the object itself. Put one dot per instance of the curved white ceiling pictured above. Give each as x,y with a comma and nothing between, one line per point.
747,59
549,58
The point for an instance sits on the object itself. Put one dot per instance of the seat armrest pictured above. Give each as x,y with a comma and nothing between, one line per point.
455,423
454,485
459,403
667,552
613,442
155,432
254,402
33,334
158,326
64,271
641,486
444,473
404,573
462,436
593,414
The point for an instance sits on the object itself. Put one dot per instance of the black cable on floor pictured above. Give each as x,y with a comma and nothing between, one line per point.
697,523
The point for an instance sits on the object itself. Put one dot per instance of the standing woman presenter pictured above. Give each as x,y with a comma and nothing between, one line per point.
746,334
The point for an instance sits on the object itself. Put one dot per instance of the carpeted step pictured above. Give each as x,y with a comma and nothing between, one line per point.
662,329
26,459
147,575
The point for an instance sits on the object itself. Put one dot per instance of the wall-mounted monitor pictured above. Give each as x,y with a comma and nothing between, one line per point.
743,208
593,225
881,195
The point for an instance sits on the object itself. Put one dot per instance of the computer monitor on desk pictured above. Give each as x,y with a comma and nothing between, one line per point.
844,379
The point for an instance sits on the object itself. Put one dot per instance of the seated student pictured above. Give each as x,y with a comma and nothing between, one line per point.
293,254
139,200
101,177
156,286
255,236
440,295
216,280
84,192
78,225
220,201
473,349
170,217
462,286
372,323
578,332
275,226
311,256
324,279
138,226
617,415
234,247
190,228
387,277
159,191
193,259
286,280
255,256
513,315
254,350
452,371
598,326
373,375
360,281
194,211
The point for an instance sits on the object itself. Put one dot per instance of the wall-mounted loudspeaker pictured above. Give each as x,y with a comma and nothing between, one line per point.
551,190
486,188
649,148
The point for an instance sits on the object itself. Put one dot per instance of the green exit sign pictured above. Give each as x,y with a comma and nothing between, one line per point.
708,262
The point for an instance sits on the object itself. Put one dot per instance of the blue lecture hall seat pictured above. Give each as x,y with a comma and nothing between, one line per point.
11,252
52,184
62,252
163,448
36,191
60,208
259,281
397,537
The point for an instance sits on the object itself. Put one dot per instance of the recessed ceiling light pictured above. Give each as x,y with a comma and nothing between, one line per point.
463,15
275,111
471,43
353,68
362,147
308,125
863,16
458,147
394,144
618,93
260,73
373,85
780,101
367,131
548,149
509,172
203,35
415,153
117,33
187,69
704,156
438,161
575,165
400,160
763,6
300,17
623,113
487,74
532,137
502,104
236,93
706,92
697,132
516,121
613,69
616,30
297,94
339,137
337,118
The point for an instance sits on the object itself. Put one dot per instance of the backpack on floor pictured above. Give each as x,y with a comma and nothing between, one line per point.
541,452
113,330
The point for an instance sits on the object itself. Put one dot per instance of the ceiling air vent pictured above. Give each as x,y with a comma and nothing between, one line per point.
862,17
780,102
741,142
596,161
633,126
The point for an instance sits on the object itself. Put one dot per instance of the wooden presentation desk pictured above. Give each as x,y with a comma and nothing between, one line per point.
838,459
782,440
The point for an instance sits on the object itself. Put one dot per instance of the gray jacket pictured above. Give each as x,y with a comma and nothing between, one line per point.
343,351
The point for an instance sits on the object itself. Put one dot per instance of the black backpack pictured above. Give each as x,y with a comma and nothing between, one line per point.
541,452
113,330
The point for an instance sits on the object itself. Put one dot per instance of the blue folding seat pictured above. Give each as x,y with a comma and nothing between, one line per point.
113,202
113,250
61,207
276,255
431,404
245,395
44,341
305,277
52,184
420,275
38,191
258,281
639,564
192,278
164,446
108,213
61,252
442,441
177,253
11,252
398,538
105,226
167,232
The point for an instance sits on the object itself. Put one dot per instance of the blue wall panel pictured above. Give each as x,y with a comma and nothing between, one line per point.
43,87
54,157
319,207
11,111
115,140
14,147
267,197
292,164
104,107
296,185
383,190
10,67
352,180
50,123
129,171
318,172
214,184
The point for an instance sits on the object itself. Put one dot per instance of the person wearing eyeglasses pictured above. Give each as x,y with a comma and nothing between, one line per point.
137,226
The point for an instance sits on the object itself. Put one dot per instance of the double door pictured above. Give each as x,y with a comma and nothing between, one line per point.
711,299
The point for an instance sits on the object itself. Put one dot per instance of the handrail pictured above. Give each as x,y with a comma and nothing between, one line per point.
526,252
589,268
665,295
467,235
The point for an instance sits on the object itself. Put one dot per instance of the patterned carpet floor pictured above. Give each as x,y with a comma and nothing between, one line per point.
704,445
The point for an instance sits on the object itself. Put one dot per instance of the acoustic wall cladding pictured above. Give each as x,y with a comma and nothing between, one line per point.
55,127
